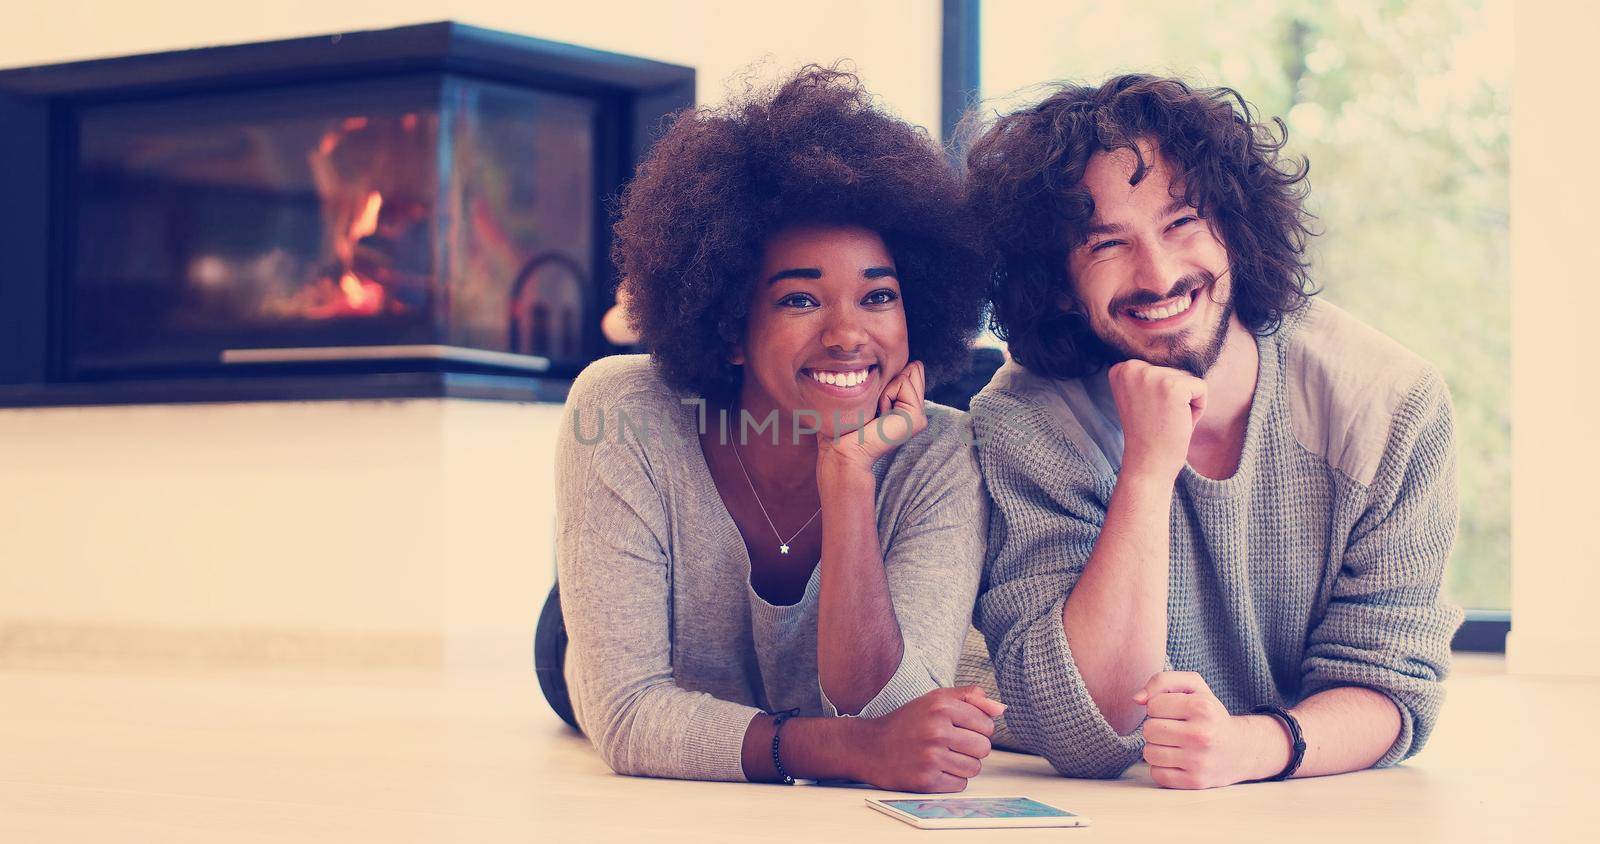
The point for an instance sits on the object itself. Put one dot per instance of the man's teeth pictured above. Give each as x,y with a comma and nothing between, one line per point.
1177,306
840,379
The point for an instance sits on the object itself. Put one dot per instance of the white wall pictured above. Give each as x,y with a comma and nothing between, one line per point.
416,532
371,532
894,43
1555,568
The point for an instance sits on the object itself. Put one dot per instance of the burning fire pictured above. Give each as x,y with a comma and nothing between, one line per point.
352,294
362,296
367,223
365,239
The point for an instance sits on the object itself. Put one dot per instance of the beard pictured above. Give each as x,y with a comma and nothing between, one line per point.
1178,351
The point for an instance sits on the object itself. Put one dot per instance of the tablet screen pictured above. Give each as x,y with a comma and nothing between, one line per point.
977,807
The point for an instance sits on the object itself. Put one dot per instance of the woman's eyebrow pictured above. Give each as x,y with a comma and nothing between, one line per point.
795,272
879,272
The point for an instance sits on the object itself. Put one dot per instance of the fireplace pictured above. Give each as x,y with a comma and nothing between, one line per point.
419,211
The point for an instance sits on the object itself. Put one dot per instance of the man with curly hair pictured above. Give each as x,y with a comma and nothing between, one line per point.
1222,508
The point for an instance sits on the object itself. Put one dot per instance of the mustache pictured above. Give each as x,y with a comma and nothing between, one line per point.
1182,287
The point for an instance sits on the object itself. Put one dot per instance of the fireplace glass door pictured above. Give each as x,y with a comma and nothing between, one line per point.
354,220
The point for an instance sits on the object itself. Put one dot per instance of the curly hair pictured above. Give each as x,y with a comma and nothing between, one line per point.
1025,194
814,149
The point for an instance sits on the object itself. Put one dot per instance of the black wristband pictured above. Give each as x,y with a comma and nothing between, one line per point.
1297,743
777,730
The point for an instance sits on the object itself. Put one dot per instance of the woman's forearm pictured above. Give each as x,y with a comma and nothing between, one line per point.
812,748
858,637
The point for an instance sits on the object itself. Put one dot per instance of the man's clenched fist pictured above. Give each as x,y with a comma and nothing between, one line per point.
1159,407
1191,741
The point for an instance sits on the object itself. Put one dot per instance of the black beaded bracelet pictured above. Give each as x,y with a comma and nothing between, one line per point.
777,729
1297,743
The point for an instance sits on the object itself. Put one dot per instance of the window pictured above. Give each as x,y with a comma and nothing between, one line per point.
1403,109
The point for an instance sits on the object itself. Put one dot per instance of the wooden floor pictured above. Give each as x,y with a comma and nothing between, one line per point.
255,756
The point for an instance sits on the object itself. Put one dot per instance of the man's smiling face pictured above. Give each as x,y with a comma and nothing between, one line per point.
1153,277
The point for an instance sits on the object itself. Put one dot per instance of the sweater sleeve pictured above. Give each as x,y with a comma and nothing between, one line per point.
1048,509
1387,627
614,560
933,562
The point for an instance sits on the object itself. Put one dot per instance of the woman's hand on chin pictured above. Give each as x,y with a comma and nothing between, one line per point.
900,417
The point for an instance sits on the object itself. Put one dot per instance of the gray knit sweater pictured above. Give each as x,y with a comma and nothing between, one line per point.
671,652
1317,565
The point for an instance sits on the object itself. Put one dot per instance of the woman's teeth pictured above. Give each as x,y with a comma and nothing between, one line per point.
1171,309
839,379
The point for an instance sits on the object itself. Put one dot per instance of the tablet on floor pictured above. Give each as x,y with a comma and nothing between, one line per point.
976,812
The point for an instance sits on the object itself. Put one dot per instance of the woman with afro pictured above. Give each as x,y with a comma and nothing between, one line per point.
763,524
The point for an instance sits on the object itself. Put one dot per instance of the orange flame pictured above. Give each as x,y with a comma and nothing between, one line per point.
352,211
363,297
367,221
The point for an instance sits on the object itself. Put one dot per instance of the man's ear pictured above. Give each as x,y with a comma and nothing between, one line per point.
736,355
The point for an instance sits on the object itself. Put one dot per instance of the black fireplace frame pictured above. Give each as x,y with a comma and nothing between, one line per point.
37,149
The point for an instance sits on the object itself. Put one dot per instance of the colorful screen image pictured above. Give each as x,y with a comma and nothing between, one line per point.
977,807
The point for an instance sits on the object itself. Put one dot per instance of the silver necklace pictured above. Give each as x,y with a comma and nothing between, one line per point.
783,544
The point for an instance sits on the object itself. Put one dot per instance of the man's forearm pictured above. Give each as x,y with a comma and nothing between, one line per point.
1115,620
858,636
1345,729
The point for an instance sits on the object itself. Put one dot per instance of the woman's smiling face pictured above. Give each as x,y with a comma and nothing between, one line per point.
826,328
